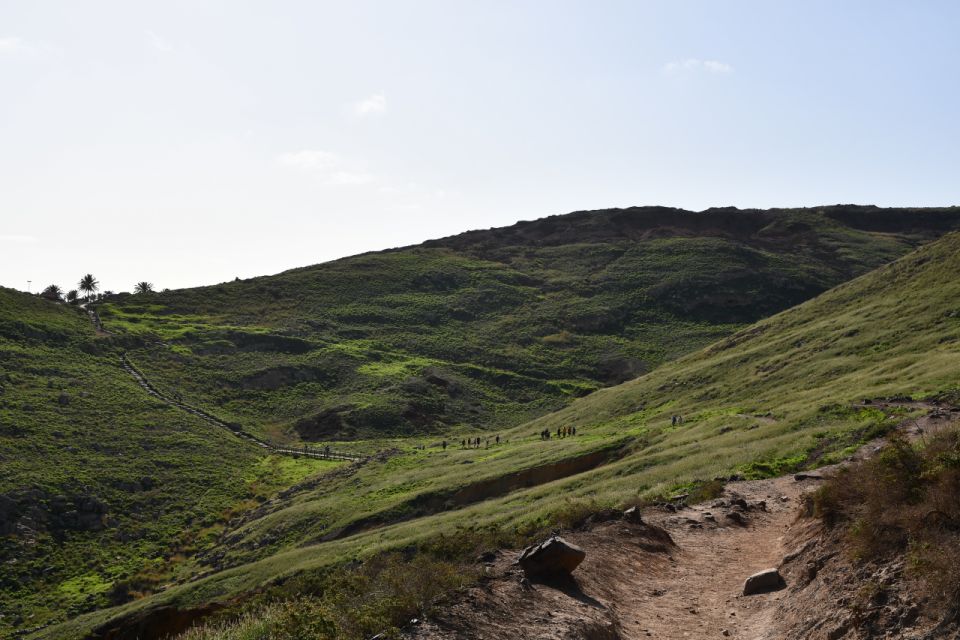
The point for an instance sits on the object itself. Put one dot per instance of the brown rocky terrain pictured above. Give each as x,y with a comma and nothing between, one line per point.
680,574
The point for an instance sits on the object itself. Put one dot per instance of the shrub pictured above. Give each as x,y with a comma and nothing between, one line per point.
904,501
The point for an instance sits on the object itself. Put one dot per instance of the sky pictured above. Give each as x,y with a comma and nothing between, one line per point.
192,142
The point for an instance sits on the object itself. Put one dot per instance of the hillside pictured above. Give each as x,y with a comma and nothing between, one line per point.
104,491
783,394
489,329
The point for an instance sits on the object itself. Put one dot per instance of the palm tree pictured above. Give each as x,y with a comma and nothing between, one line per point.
89,285
143,287
53,292
72,296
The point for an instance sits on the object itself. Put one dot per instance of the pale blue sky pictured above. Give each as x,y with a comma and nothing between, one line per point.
190,142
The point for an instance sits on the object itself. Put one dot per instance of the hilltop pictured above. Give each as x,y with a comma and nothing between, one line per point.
783,394
488,329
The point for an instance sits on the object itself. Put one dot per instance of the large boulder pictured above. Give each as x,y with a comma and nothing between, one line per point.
553,557
763,581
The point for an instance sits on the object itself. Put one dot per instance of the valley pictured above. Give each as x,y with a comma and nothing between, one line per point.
763,331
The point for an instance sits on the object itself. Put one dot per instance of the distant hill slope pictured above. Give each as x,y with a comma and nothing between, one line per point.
103,490
488,329
782,394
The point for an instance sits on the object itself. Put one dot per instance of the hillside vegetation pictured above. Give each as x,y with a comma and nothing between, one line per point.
104,491
489,329
782,394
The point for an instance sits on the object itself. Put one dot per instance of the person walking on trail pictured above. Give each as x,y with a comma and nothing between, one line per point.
498,438
673,421
326,451
574,430
444,445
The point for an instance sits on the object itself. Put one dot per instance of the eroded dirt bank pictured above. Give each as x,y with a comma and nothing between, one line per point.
629,589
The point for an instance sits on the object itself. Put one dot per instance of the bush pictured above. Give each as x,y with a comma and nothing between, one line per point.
904,501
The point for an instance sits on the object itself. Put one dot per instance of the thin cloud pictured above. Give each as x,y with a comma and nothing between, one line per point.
12,44
309,159
695,65
17,239
326,165
158,43
17,46
375,105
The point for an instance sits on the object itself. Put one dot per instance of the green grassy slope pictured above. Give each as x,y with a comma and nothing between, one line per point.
779,395
492,328
103,489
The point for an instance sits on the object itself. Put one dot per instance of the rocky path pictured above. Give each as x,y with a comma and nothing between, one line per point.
697,592
630,588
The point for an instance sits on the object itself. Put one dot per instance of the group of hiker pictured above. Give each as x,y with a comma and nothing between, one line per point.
478,442
675,420
474,443
562,432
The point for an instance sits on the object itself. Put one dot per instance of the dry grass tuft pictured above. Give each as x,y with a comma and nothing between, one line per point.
904,502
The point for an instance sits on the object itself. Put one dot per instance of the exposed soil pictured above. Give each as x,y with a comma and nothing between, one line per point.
629,586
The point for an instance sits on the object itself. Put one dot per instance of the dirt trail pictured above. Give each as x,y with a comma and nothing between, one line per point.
698,593
631,589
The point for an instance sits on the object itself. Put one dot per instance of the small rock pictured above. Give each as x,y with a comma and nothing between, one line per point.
737,517
486,557
763,581
633,515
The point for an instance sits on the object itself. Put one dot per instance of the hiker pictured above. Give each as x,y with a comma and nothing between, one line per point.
444,445
574,430
463,443
498,438
326,451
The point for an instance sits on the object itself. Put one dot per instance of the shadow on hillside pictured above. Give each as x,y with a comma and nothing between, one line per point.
570,587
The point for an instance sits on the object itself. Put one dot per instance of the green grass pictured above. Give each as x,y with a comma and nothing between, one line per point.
490,329
158,483
779,395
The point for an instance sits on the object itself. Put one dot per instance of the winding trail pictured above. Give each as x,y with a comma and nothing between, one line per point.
627,589
309,452
146,385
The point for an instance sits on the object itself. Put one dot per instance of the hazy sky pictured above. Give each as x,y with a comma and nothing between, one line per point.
189,142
